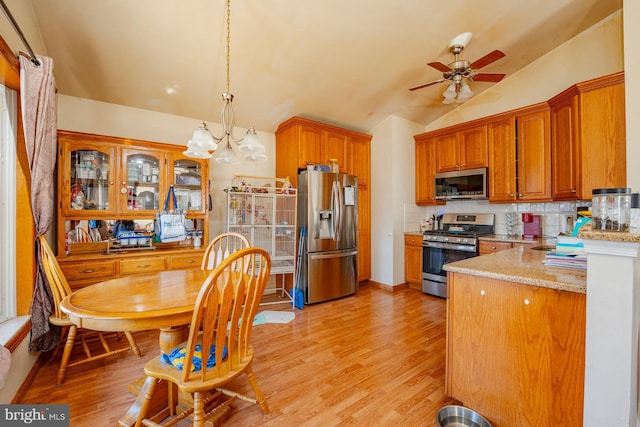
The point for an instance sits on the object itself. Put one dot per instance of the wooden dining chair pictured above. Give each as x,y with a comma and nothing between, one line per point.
222,322
221,247
86,338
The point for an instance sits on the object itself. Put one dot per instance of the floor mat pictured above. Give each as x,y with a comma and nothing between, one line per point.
273,317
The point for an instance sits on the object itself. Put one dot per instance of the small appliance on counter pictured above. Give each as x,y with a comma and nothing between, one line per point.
531,226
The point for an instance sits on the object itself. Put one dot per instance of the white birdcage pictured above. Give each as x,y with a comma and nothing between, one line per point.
264,210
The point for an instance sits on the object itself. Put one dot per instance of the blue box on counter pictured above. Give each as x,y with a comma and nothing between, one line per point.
566,245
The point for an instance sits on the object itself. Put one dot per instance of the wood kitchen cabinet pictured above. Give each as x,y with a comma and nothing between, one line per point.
105,179
413,261
520,156
300,141
515,352
426,170
492,246
462,149
588,138
489,247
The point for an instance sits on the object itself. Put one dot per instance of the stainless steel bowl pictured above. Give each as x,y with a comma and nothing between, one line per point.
459,416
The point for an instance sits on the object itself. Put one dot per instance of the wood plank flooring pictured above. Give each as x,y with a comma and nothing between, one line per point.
376,358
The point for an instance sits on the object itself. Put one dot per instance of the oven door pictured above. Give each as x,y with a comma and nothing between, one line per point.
434,256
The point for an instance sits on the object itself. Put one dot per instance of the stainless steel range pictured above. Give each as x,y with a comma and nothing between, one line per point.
455,241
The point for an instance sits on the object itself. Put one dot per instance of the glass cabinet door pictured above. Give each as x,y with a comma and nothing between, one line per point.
87,186
187,176
142,180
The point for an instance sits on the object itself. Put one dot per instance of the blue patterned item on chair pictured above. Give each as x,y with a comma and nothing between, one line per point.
176,357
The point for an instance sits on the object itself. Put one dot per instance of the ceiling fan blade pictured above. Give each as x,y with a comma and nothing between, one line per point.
427,84
487,59
439,66
488,77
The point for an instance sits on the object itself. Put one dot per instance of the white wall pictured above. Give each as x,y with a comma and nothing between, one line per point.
393,187
83,115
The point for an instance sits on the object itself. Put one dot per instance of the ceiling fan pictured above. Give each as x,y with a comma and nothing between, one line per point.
461,69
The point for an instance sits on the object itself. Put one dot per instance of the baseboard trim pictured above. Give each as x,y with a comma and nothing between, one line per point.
387,288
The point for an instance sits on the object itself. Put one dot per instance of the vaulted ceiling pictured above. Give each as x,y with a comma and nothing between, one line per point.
346,62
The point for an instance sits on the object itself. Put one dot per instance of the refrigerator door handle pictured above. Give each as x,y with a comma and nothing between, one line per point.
335,207
333,255
340,209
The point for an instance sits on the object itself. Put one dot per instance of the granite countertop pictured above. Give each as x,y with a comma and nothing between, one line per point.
612,236
522,265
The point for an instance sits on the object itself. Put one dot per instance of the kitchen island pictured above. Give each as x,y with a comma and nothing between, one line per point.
516,338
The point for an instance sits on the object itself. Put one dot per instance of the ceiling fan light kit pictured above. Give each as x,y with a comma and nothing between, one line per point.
203,143
460,70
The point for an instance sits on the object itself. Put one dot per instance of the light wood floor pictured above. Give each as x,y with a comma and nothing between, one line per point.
374,359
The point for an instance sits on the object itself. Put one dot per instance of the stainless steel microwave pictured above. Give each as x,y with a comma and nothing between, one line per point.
464,184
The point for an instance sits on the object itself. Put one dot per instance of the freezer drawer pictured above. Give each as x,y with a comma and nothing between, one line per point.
331,275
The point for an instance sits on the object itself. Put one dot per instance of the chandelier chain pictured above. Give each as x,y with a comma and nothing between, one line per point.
228,40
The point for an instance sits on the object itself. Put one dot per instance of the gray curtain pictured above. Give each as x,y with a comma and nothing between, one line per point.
39,119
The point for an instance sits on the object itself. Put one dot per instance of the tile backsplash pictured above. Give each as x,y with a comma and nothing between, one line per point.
553,215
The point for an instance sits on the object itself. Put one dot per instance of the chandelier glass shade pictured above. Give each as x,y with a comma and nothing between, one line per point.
458,92
226,149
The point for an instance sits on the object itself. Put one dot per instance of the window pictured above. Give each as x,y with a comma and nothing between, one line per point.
7,204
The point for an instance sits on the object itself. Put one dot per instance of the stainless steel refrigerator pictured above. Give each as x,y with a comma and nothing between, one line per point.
328,218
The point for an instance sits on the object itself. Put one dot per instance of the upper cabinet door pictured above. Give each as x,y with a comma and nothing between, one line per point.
473,148
447,158
565,139
335,147
534,156
186,176
87,186
310,146
143,183
359,159
425,171
502,160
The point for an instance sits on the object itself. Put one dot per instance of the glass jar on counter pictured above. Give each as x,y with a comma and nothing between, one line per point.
634,221
611,209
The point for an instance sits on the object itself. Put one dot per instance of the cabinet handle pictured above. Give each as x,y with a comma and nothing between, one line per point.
482,292
143,266
573,191
190,261
519,194
526,301
493,248
124,182
88,271
511,195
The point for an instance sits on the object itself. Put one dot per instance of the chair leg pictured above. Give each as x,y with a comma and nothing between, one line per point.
253,381
133,345
144,406
71,336
198,409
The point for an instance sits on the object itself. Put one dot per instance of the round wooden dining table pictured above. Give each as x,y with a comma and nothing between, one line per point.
161,300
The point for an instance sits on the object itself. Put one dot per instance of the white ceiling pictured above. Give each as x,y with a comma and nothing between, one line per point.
346,62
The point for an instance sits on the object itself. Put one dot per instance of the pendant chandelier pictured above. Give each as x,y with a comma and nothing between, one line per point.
204,145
